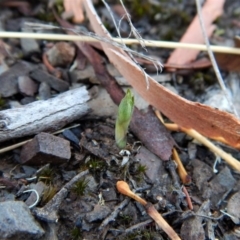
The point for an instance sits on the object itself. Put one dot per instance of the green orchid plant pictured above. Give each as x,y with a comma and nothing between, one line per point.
125,112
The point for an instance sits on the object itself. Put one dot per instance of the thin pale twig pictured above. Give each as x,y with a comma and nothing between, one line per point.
128,41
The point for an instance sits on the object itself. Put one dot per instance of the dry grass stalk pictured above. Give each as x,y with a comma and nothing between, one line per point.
185,178
127,41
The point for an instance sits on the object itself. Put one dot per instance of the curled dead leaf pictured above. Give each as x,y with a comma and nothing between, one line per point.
210,11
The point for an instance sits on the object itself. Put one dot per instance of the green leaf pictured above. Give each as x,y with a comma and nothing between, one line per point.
125,111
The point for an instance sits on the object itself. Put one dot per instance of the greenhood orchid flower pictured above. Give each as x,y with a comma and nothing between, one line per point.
125,112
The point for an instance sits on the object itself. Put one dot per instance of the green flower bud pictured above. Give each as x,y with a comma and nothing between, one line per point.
125,111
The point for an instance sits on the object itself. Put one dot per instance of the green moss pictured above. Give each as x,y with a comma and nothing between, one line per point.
76,234
46,175
80,187
2,102
48,194
95,165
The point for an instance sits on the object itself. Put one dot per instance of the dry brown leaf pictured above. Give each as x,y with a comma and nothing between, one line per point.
229,62
74,7
206,120
210,11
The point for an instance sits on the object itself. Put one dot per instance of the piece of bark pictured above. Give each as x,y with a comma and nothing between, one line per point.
45,148
55,83
48,115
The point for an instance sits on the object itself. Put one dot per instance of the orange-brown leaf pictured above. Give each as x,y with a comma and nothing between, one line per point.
210,11
74,7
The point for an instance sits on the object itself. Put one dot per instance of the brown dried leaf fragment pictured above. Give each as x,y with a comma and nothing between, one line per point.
210,12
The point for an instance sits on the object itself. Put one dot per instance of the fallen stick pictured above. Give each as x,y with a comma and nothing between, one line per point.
44,115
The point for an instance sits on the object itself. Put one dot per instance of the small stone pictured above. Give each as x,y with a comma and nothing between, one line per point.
109,194
61,54
233,208
55,83
39,187
14,104
17,222
201,173
27,86
9,79
80,75
99,213
29,46
220,184
44,91
152,162
46,148
27,100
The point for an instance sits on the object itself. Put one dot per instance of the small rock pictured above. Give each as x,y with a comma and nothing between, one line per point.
39,187
92,184
220,184
192,150
17,222
80,75
99,213
233,208
27,100
61,54
192,228
44,91
152,162
29,46
68,175
45,148
55,83
109,194
27,86
201,173
14,104
8,80
69,135
3,67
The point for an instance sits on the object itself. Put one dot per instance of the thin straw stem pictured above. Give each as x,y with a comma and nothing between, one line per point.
128,41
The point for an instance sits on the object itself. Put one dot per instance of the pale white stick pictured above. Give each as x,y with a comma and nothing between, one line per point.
128,41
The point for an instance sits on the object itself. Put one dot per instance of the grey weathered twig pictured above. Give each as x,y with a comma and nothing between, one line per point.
44,115
49,213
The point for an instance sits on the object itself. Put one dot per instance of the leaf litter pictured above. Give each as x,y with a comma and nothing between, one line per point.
95,140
